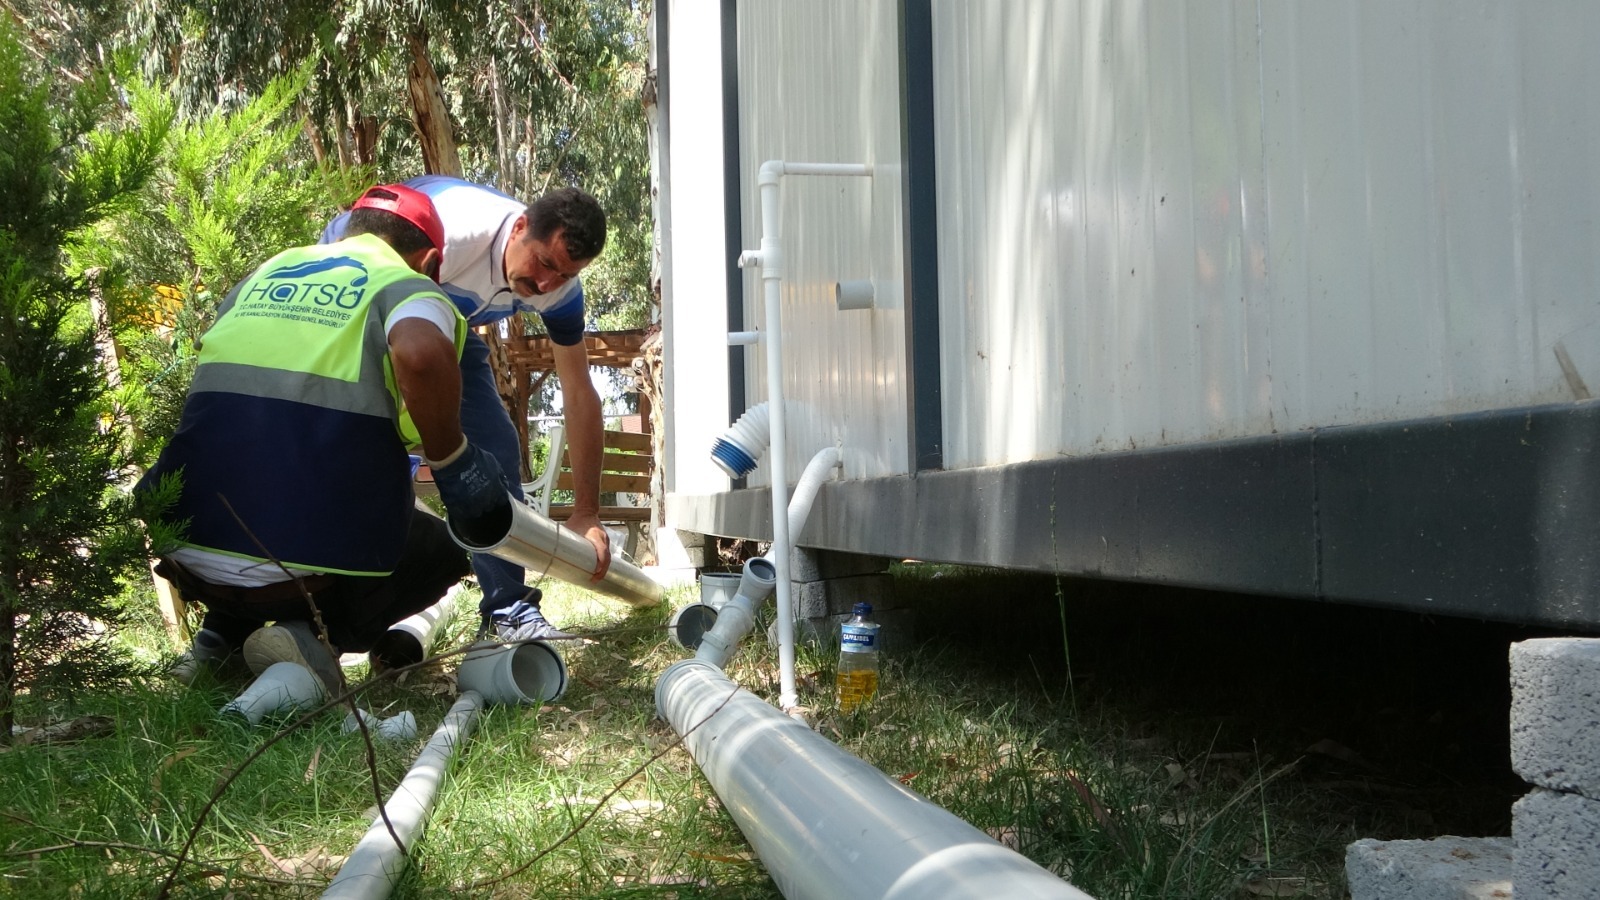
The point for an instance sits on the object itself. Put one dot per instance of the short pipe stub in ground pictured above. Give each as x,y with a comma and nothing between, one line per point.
284,688
689,625
531,672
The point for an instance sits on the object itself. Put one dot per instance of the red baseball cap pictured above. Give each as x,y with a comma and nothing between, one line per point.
409,204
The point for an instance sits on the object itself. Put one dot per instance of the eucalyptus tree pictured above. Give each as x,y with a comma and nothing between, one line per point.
518,94
231,186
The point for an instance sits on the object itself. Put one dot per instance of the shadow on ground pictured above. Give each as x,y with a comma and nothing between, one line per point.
1401,718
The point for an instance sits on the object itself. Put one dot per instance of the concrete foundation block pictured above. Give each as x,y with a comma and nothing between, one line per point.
1558,846
836,596
694,550
896,629
816,565
1555,714
1446,868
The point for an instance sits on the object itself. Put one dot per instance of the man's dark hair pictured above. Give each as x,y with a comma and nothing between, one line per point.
403,236
574,213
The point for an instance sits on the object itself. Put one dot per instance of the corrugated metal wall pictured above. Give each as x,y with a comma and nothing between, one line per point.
819,82
1165,223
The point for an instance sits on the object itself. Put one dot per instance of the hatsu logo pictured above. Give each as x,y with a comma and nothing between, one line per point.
324,282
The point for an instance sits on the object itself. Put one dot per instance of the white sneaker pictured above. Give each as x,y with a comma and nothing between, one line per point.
522,621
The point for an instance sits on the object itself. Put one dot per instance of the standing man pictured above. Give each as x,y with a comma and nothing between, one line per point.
321,369
503,257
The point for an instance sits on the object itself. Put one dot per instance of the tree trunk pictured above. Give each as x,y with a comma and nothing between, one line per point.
314,137
341,141
366,139
429,112
502,152
8,670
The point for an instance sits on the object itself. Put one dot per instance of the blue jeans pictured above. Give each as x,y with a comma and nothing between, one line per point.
485,423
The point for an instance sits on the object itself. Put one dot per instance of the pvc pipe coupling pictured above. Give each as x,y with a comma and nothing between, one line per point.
738,616
741,446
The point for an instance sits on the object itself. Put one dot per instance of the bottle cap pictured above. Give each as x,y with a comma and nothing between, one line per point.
862,609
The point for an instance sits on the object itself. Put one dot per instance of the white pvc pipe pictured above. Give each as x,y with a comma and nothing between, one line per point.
377,862
409,640
827,825
285,687
738,615
543,547
819,470
770,258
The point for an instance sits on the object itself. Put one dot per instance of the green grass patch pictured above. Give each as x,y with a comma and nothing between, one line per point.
588,797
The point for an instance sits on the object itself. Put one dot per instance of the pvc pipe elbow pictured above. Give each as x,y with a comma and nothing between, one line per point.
738,450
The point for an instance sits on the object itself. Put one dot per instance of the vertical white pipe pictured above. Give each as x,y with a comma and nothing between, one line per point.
377,862
772,266
771,259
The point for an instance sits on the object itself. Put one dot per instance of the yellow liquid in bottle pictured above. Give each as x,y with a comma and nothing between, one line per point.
856,688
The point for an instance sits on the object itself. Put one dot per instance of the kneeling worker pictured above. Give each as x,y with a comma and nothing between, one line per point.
321,369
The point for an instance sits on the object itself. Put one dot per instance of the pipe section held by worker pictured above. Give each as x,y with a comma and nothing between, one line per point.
539,544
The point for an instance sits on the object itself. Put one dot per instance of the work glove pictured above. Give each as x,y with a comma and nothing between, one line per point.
474,494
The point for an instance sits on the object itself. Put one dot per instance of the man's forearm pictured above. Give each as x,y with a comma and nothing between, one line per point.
585,446
429,377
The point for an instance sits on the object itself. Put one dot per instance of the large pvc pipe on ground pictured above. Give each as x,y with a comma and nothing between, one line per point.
377,861
543,547
827,825
408,641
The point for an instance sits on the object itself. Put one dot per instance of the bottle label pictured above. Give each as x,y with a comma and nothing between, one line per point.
858,638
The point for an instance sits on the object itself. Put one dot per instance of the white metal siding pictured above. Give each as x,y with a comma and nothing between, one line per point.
819,82
1165,222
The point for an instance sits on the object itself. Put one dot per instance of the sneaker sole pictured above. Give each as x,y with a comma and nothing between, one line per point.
277,644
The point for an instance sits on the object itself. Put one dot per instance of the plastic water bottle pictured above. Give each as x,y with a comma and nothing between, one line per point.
857,678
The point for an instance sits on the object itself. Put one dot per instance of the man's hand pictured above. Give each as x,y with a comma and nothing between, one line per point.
588,525
474,493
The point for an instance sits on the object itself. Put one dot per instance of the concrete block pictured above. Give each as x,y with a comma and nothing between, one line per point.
1558,846
816,565
897,629
836,596
1555,714
680,549
1446,868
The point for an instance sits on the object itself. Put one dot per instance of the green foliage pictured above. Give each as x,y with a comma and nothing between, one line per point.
67,534
232,187
540,95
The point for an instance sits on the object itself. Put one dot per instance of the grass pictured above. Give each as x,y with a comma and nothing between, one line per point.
1111,777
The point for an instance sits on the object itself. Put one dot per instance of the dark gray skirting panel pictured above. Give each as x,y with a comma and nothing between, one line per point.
1490,515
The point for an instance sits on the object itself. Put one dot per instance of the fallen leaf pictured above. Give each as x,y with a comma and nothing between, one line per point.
739,859
1283,886
311,768
1020,838
1178,776
61,732
1334,749
165,764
